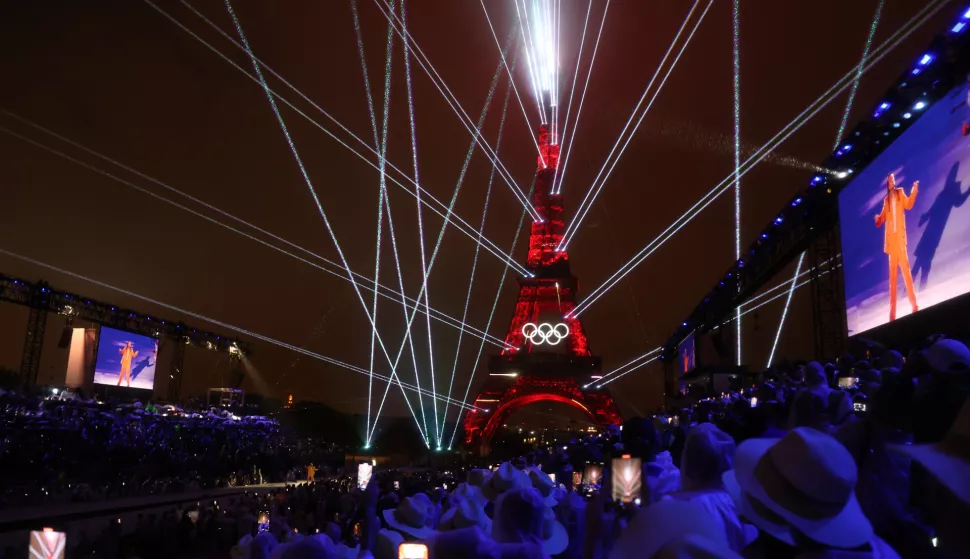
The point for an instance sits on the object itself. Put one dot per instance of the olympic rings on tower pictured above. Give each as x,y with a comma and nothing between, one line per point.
545,333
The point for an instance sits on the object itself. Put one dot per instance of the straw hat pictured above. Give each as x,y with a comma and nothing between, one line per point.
411,516
948,460
804,480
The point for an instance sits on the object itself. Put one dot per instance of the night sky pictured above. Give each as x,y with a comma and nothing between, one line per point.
121,79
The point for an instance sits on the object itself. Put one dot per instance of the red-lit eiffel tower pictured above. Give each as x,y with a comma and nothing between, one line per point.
551,360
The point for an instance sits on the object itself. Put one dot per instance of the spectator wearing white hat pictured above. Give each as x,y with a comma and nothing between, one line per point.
506,478
521,516
800,490
411,517
673,529
948,461
708,454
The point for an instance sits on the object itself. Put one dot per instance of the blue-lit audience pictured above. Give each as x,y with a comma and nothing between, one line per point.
866,458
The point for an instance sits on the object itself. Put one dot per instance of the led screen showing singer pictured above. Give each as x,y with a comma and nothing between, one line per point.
905,221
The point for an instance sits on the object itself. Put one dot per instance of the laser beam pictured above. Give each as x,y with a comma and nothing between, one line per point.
562,173
736,56
901,34
623,367
471,279
525,116
313,193
453,102
858,77
618,377
219,323
455,221
601,178
387,294
491,315
784,312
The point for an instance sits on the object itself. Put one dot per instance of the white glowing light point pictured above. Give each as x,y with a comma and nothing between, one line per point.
545,333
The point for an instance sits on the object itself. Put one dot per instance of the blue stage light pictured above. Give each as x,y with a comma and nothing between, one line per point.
907,115
779,220
764,235
927,58
919,106
966,15
796,202
895,125
960,26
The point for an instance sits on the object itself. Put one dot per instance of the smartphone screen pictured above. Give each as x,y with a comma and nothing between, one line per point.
262,521
577,479
552,476
357,530
48,544
397,485
364,472
627,479
593,474
754,402
412,551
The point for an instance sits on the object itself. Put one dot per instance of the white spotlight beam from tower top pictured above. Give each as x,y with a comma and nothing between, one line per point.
333,269
727,183
512,82
434,205
466,121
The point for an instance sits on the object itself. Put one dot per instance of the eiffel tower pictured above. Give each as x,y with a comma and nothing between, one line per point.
547,356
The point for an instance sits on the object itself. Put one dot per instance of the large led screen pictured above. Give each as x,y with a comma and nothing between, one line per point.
686,355
909,248
125,359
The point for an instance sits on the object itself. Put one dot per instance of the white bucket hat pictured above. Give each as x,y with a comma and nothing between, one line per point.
804,480
465,514
681,525
948,460
542,483
521,516
411,516
507,477
478,477
465,492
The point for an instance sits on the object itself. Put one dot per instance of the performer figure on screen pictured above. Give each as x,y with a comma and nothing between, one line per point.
893,216
128,353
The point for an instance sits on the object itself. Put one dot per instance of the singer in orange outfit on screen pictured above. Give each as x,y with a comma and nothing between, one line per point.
128,353
893,216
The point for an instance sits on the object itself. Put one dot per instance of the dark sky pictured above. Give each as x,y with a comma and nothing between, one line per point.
118,77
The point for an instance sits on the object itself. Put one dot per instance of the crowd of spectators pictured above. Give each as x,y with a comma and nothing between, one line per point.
56,449
866,457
